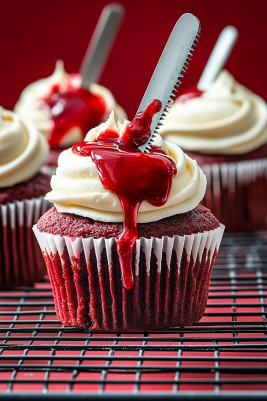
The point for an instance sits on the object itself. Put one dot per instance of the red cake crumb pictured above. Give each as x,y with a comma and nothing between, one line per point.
37,186
202,158
195,221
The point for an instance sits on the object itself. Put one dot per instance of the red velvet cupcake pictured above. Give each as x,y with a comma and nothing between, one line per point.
127,247
22,189
225,131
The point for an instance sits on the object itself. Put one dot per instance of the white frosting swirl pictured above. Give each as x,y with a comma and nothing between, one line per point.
22,149
28,104
76,187
226,119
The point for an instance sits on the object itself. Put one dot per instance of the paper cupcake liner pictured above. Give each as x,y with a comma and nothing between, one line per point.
237,192
21,262
171,280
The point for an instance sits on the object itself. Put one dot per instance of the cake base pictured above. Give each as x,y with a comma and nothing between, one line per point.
89,293
237,192
203,158
21,261
172,264
37,186
236,188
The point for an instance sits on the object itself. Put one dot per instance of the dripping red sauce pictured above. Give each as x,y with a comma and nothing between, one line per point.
69,105
132,175
189,93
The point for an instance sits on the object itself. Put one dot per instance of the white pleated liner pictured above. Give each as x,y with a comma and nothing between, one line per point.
228,178
26,211
227,175
194,246
21,261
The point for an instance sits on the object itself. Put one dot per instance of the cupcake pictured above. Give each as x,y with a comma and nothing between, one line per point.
22,188
127,245
225,130
64,111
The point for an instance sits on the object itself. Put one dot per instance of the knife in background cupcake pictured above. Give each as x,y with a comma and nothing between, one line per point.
101,43
73,105
120,158
64,107
215,63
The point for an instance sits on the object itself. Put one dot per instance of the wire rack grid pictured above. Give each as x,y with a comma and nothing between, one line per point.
224,356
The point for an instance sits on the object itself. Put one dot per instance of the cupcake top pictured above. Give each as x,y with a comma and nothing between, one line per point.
226,119
77,187
22,149
62,110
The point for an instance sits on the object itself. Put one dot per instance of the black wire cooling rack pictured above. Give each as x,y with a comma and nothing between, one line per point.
222,357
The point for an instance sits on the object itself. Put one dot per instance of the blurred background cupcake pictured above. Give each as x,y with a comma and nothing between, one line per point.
23,149
65,107
63,111
225,130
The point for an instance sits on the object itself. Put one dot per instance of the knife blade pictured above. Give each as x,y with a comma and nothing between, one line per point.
170,68
101,43
218,57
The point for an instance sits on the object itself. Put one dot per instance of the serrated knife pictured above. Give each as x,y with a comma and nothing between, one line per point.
170,68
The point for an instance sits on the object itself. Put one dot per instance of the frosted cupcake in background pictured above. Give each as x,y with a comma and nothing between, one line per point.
63,111
225,130
23,149
127,245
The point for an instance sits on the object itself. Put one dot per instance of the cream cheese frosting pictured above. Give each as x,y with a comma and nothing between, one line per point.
76,186
23,149
226,119
28,105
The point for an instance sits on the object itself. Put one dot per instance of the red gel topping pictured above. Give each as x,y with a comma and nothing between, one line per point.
69,105
132,175
189,93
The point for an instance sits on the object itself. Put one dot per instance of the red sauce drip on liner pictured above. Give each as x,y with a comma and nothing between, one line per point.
132,175
69,105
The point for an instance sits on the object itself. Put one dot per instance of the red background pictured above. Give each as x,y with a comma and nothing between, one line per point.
35,33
